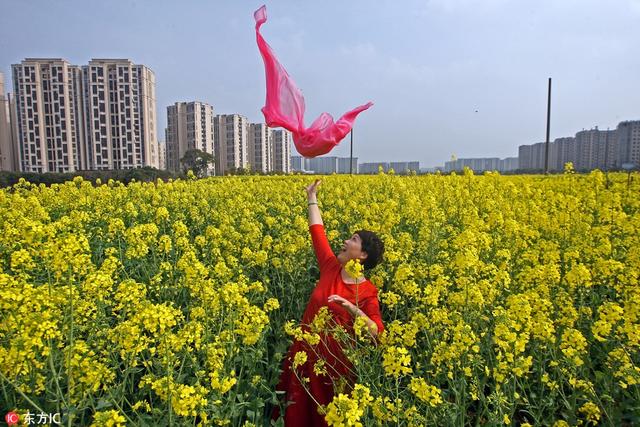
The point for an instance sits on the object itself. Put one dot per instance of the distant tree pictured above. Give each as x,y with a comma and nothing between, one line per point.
198,161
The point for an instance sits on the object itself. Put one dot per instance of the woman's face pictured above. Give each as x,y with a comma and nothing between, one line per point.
351,249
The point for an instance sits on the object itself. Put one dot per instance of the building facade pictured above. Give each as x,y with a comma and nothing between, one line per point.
404,167
373,167
323,165
231,143
299,164
595,149
46,93
189,126
120,111
508,164
98,116
281,157
628,146
8,148
162,155
587,150
345,166
260,147
483,164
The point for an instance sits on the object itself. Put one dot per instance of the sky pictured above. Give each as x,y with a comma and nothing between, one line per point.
447,77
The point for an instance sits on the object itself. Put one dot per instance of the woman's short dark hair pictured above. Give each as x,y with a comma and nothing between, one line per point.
373,246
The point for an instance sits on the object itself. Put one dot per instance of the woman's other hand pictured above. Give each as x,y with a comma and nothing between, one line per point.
352,309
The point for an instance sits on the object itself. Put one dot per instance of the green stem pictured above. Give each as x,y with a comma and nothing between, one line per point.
21,393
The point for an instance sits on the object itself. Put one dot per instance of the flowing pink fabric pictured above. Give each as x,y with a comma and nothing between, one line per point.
285,105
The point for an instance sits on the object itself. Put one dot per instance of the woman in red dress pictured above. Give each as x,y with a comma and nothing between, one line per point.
346,298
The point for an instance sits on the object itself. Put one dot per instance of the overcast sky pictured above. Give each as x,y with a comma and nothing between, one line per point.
463,77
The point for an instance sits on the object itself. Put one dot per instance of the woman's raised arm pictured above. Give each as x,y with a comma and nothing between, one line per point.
312,198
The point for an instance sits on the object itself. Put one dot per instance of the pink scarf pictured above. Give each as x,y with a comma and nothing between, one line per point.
285,105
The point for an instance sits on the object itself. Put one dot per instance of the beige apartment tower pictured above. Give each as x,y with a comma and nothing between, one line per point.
162,155
189,126
46,93
281,158
231,142
628,134
98,116
260,147
8,149
120,115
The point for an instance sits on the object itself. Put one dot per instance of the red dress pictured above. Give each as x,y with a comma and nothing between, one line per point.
303,411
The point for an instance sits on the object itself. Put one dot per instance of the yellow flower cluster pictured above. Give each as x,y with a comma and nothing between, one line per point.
425,392
347,410
111,418
354,268
396,361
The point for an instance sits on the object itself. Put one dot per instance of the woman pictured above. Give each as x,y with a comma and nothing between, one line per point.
346,299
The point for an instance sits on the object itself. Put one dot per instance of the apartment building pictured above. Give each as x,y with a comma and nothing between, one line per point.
281,158
230,142
98,116
190,125
8,147
260,147
628,146
120,113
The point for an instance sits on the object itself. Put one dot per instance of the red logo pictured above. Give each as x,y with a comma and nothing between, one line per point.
11,418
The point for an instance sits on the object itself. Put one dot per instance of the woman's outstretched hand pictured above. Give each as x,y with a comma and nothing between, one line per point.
355,311
312,189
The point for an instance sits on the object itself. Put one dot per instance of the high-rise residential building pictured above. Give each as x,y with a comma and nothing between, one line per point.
120,109
98,116
8,152
323,164
189,126
524,157
586,142
404,167
347,165
373,167
479,164
46,96
281,157
531,157
628,143
563,151
299,164
508,164
593,149
260,147
231,142
162,155
588,150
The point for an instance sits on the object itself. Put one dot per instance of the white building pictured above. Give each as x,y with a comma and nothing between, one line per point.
231,142
260,147
299,164
281,157
121,114
345,166
628,146
47,92
100,116
373,167
8,149
162,155
189,127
